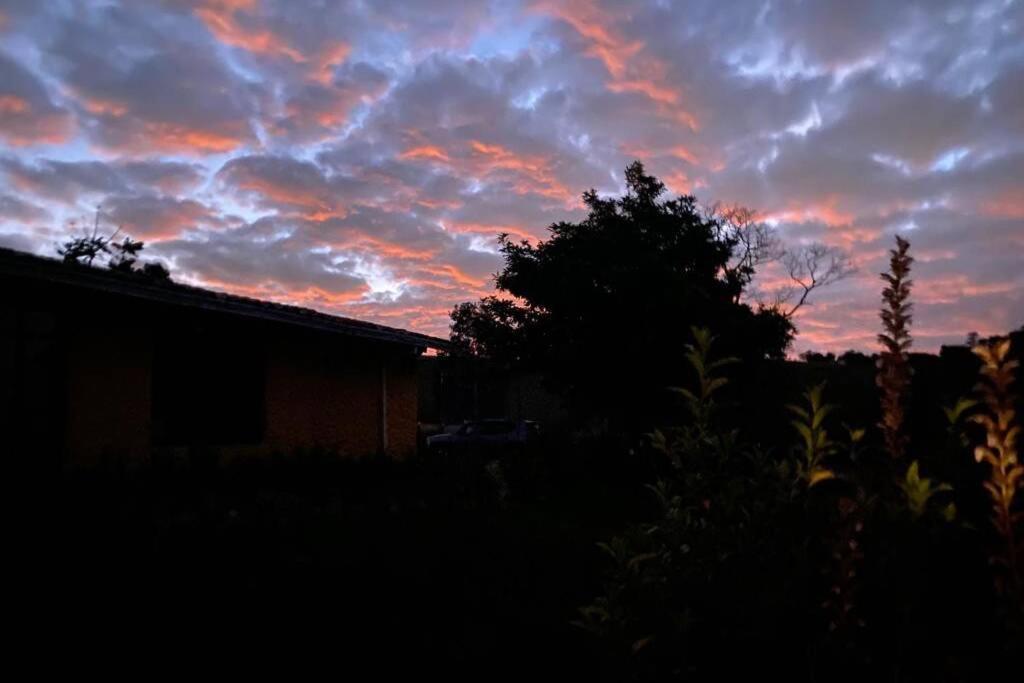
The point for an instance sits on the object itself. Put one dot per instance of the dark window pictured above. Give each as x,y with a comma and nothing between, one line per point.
208,389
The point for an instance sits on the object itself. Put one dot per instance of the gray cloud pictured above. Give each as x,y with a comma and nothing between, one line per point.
362,157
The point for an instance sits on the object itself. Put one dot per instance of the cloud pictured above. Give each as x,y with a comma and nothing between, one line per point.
165,91
13,209
70,181
27,114
152,217
283,184
363,157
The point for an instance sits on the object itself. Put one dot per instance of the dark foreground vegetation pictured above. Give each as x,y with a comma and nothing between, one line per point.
713,511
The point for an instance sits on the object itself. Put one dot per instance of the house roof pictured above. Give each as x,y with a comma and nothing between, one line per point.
50,270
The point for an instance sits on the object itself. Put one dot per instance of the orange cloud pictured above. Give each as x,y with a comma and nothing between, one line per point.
629,69
1008,204
381,247
11,104
437,204
297,199
825,211
271,290
489,229
425,152
23,125
951,289
328,59
534,172
454,274
221,18
651,89
176,137
101,107
153,218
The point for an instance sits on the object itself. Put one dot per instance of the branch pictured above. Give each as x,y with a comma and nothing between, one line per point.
813,267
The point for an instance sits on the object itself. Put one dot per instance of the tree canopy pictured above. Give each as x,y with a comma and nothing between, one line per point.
604,306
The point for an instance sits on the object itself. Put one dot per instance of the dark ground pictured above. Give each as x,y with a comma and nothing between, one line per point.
421,566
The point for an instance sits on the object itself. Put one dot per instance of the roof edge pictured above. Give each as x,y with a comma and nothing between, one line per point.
31,266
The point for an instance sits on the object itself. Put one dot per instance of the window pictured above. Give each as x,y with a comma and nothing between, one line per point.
208,389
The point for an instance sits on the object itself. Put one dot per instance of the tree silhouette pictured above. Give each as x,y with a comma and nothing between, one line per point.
121,256
86,248
603,306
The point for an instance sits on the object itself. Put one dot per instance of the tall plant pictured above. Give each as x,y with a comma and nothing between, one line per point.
893,366
999,452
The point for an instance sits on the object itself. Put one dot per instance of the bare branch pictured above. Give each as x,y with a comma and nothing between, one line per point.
812,267
754,242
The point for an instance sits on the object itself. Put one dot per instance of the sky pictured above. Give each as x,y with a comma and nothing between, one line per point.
360,158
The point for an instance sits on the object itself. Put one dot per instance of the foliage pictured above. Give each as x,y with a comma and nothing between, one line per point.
810,423
875,565
493,328
125,254
121,256
999,452
920,490
601,304
893,368
87,247
718,504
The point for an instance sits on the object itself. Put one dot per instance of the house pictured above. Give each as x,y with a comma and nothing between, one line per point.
99,366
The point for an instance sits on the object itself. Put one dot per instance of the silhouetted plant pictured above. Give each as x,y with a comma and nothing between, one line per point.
893,367
920,490
956,414
700,403
816,446
716,510
121,256
88,247
999,452
125,254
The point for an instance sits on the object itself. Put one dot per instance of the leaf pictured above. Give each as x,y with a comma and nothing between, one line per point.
949,512
820,475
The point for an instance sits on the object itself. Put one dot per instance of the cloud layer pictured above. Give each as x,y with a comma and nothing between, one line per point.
361,158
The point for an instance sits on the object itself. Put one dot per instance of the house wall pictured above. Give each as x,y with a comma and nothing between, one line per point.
80,380
403,405
108,394
330,398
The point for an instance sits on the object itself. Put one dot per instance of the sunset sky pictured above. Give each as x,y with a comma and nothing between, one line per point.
361,157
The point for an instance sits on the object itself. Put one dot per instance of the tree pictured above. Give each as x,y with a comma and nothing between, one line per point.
756,242
121,256
812,267
603,306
